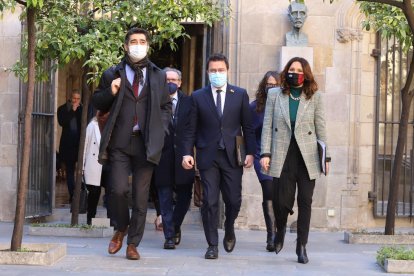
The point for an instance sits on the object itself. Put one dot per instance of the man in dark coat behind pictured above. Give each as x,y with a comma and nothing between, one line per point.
69,118
169,175
135,92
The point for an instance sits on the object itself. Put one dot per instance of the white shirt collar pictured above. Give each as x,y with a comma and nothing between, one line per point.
175,96
214,89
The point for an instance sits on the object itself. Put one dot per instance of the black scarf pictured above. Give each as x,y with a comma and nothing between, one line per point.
137,67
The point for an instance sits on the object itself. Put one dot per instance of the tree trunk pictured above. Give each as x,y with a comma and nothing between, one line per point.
22,187
407,97
79,166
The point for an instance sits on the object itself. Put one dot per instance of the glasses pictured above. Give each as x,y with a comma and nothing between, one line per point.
172,80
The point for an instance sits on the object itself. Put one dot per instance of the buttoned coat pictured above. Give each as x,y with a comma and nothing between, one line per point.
169,171
158,112
92,170
277,131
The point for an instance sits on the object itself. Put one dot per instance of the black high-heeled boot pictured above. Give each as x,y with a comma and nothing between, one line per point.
301,252
270,224
280,238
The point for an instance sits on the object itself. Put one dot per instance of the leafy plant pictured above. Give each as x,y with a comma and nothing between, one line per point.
395,253
93,31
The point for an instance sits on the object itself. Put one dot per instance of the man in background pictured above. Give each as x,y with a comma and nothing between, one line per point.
69,118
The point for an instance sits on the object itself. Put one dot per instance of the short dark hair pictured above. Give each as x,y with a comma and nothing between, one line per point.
218,57
136,30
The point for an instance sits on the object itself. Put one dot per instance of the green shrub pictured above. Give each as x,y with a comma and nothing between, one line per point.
395,253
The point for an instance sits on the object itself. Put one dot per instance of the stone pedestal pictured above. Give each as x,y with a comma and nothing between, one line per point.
289,52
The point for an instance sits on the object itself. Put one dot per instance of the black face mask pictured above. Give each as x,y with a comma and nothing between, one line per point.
294,79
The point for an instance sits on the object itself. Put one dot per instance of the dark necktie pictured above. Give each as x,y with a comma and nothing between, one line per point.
220,113
218,103
135,85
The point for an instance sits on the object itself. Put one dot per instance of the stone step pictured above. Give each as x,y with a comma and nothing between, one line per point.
63,215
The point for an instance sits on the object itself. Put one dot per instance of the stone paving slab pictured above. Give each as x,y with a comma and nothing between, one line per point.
327,251
36,254
370,238
99,232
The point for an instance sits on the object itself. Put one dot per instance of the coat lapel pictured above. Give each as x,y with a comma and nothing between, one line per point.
303,104
284,105
228,100
210,101
97,131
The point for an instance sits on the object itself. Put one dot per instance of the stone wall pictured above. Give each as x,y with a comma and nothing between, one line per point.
345,72
10,30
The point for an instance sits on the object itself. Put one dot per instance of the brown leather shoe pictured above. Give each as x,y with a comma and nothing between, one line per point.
132,253
116,242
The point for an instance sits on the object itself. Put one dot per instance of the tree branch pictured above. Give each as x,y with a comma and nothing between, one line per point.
387,2
23,3
409,14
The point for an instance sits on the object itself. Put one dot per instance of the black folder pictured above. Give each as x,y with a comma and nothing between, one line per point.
240,150
322,155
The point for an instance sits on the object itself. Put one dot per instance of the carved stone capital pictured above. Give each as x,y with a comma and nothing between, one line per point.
345,35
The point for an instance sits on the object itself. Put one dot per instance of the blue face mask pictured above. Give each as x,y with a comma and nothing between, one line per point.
172,87
218,79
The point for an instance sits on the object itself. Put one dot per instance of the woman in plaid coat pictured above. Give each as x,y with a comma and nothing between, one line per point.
294,120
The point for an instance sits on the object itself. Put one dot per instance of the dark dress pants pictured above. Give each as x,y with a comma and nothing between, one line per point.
227,179
294,173
183,192
124,161
70,165
172,217
94,193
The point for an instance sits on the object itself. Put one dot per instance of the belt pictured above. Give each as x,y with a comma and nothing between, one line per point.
136,133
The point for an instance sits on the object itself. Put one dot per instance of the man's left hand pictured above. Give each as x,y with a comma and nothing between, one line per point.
248,162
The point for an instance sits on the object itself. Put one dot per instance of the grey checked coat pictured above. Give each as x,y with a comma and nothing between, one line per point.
277,132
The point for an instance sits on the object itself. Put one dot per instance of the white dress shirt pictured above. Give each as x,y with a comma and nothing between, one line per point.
222,94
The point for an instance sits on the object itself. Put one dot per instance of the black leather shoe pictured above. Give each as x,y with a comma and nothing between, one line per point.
169,244
212,252
279,239
301,252
177,236
229,241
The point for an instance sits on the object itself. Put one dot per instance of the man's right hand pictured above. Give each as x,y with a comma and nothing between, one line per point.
188,162
115,85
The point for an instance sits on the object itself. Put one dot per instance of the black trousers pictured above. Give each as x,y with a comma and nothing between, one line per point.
94,192
268,188
131,159
227,179
294,173
70,165
173,217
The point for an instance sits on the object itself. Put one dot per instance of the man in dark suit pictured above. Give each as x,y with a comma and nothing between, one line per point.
169,175
69,118
135,92
220,112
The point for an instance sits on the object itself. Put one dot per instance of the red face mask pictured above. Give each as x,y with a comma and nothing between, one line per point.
294,79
